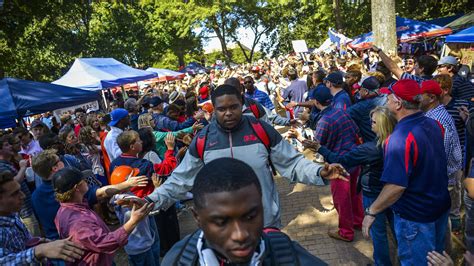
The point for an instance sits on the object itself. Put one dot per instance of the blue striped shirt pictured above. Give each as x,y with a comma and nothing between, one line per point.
261,97
462,88
453,109
418,79
452,145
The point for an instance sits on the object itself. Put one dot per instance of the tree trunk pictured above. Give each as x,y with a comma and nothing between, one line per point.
221,33
180,56
336,5
247,58
384,25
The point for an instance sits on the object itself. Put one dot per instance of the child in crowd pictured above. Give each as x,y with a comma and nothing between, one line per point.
143,247
131,145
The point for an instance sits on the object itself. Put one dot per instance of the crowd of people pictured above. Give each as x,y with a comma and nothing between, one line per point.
393,139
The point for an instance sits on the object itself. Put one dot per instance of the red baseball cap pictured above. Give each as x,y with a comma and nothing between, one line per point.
406,89
430,86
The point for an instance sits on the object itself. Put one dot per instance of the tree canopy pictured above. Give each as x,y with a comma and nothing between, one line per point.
40,39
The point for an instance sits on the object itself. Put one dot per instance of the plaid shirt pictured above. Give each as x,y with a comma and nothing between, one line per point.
452,145
336,130
13,236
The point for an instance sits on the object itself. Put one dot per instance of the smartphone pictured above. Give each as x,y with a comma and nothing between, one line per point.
134,199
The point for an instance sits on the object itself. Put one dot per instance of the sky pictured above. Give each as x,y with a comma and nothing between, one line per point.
246,37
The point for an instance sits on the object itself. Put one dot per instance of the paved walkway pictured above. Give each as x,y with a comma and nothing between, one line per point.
307,215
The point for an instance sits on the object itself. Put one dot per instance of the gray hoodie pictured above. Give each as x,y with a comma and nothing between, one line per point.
241,143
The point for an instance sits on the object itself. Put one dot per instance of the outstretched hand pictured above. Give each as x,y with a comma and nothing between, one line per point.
334,171
63,249
291,104
139,214
134,181
293,133
169,141
157,181
197,126
436,259
311,144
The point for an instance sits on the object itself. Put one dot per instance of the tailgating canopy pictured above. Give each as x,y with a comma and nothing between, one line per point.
166,74
463,22
20,98
193,69
464,36
444,20
101,73
407,30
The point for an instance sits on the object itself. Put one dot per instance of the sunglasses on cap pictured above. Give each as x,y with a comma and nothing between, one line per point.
392,92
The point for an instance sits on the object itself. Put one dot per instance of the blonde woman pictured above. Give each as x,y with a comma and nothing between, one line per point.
370,156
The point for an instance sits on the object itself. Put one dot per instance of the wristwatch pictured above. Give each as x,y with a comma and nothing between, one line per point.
367,212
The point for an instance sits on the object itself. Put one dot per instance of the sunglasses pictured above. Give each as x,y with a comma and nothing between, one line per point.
394,94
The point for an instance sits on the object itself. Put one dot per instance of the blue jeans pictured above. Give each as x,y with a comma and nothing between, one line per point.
415,239
469,222
378,232
150,257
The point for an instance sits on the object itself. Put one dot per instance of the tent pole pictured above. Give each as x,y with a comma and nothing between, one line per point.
105,100
22,122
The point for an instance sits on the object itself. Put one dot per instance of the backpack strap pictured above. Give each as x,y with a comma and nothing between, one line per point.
261,133
265,139
201,143
254,108
189,254
281,248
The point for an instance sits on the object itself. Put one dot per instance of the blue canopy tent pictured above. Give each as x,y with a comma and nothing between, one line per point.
166,74
19,98
193,68
101,73
407,30
444,20
464,36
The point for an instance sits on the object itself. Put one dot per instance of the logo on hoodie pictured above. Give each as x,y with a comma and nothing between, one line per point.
251,137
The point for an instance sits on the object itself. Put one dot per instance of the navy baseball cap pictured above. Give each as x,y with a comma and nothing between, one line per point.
155,101
335,78
66,178
117,115
322,95
370,83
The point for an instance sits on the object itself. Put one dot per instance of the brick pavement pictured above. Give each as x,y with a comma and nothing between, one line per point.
307,215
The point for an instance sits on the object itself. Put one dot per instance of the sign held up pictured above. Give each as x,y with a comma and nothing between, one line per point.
299,46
